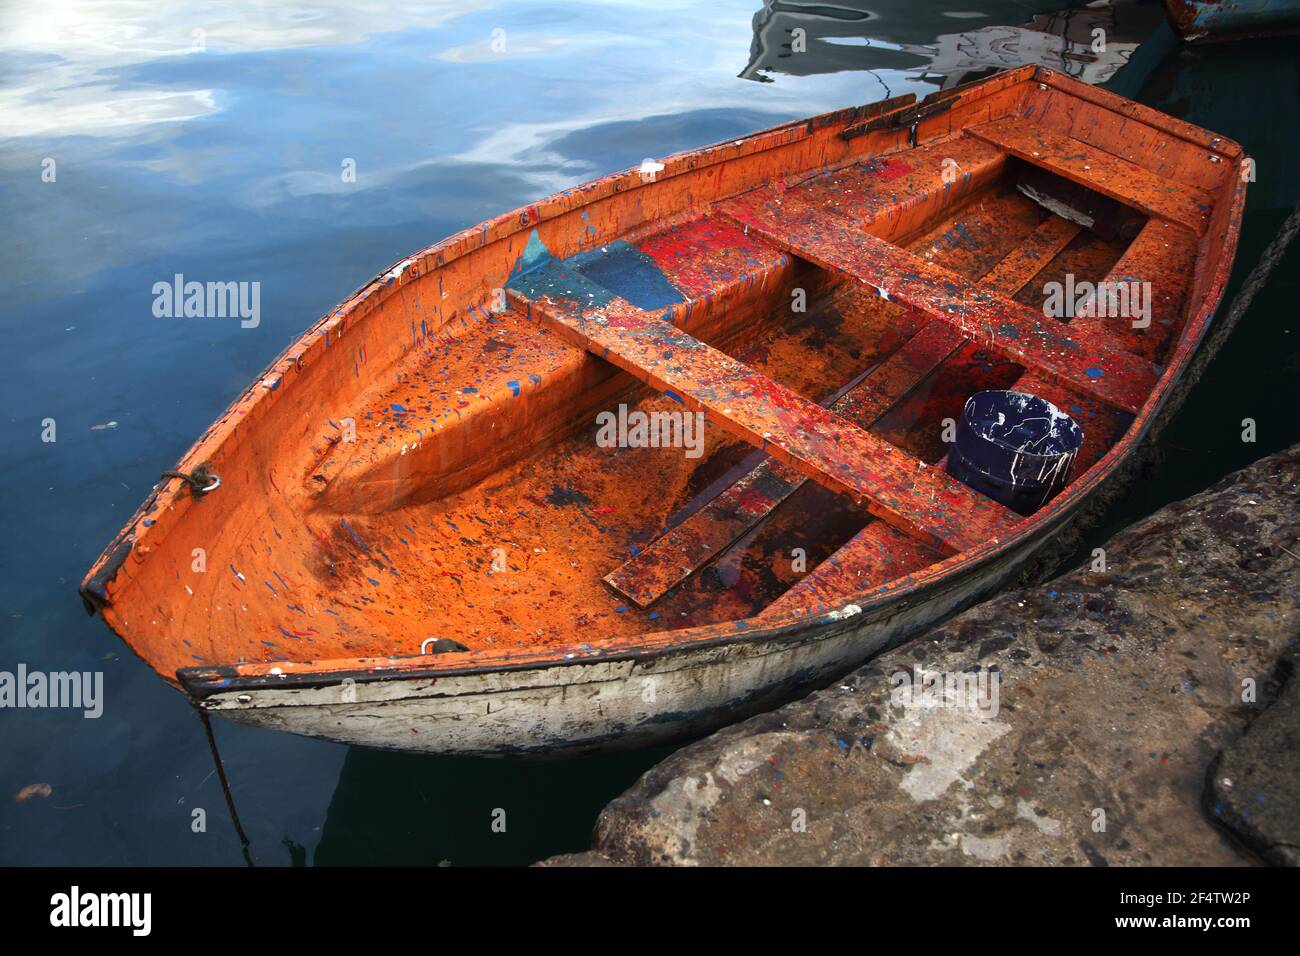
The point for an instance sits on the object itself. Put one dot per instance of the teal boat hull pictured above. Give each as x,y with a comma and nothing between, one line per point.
1221,19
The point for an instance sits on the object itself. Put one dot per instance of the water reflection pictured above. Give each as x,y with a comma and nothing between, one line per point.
61,60
1088,41
404,809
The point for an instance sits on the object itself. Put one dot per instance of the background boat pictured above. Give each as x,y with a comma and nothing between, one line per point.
1233,19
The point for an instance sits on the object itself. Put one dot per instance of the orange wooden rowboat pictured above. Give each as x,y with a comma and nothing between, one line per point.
419,539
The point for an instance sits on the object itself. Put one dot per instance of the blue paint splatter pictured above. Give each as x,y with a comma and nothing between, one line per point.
361,544
535,256
629,273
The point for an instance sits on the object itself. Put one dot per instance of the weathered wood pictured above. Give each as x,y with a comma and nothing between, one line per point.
1163,254
684,549
1031,257
1100,171
873,556
815,441
1085,360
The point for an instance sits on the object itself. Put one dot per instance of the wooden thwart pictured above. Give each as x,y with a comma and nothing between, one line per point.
815,441
1085,359
681,551
731,511
1100,171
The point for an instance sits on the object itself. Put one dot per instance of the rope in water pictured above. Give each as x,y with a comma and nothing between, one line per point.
1259,274
225,785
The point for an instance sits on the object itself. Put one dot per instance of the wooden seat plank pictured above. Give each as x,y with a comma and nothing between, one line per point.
1086,359
1098,170
684,549
791,428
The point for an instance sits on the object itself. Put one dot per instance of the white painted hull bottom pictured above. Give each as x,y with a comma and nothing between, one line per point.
590,705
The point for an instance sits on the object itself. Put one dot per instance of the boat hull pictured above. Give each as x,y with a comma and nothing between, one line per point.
1233,19
307,626
582,707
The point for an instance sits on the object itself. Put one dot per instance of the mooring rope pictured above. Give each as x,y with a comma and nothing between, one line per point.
1259,274
201,480
1220,330
225,785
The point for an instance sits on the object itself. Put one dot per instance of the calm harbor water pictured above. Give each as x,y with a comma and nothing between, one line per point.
210,140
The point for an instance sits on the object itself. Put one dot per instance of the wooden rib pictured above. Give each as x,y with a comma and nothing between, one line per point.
1084,359
1100,171
681,551
890,483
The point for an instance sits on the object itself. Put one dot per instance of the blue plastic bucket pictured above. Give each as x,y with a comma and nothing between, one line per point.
1014,447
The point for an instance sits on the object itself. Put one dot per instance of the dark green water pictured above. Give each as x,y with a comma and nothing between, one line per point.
224,164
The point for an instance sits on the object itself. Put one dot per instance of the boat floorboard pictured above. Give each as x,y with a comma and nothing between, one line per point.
1162,254
1089,362
683,550
780,421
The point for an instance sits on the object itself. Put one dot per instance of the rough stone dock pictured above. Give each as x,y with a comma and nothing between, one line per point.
1144,716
